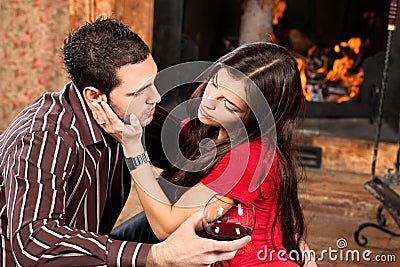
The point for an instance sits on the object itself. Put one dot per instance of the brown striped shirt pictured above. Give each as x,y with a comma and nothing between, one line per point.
63,184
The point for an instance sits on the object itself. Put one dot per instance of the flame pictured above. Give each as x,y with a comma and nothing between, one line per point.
301,64
278,10
354,44
339,69
342,74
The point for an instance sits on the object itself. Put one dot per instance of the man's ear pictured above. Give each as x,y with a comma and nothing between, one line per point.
93,96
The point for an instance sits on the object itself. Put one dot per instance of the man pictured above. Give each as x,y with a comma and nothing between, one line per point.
63,180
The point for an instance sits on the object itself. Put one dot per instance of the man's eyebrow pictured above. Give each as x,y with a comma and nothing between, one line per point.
144,87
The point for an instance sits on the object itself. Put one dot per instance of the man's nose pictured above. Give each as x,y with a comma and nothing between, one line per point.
155,96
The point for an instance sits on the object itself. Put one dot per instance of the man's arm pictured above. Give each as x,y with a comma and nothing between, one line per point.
36,177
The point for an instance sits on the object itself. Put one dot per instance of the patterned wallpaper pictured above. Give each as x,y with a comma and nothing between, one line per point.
31,38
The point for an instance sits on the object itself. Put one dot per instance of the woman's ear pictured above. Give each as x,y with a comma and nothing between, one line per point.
93,96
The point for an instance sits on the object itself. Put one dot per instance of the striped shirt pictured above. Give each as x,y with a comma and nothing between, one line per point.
63,184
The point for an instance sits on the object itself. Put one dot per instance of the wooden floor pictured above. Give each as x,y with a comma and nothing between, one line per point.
335,203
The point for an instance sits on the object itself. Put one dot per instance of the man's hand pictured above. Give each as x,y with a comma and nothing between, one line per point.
185,248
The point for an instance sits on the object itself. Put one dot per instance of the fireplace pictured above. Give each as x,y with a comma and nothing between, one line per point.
359,106
347,33
186,30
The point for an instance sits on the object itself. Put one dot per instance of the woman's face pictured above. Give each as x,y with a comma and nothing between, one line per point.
223,103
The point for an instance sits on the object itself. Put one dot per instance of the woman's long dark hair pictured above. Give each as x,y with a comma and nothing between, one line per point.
274,71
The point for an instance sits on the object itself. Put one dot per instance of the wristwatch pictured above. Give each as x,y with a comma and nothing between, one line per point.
134,162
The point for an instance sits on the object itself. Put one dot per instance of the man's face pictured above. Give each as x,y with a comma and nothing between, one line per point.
136,94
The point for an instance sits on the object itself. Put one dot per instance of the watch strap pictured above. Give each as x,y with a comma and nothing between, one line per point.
134,162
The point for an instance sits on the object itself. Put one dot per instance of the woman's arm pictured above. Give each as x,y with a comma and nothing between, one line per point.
163,217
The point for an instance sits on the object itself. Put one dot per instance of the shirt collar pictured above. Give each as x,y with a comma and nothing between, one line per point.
90,132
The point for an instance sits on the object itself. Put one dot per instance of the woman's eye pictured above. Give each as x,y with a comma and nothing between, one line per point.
229,108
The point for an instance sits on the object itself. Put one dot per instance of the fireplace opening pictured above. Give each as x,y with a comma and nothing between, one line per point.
339,44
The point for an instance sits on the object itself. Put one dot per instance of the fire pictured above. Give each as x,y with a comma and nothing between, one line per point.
301,65
327,75
278,10
339,83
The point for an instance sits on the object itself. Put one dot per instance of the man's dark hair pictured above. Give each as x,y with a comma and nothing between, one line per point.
94,52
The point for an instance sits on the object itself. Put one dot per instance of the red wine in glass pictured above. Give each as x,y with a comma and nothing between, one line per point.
227,219
226,231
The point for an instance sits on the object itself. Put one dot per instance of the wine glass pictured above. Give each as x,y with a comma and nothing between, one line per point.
227,220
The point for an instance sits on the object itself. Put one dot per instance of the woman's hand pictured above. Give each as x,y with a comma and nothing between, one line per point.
129,135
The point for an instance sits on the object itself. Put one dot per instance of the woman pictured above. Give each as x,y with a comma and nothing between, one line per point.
233,147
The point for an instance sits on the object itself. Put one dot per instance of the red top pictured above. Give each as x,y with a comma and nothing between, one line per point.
239,175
